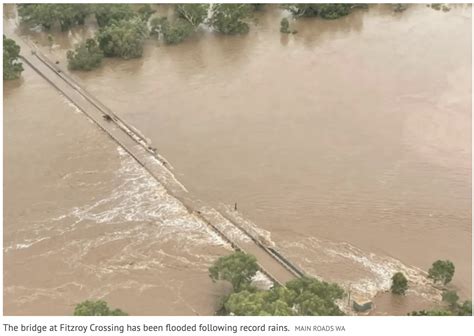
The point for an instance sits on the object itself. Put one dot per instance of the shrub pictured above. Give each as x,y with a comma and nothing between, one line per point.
86,56
12,67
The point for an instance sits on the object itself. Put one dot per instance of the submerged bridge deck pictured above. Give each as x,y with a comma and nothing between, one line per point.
271,262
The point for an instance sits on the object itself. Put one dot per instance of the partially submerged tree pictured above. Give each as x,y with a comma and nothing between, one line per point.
325,11
441,271
172,32
238,268
106,14
399,7
285,26
195,14
123,39
12,67
230,18
399,283
47,15
86,56
96,308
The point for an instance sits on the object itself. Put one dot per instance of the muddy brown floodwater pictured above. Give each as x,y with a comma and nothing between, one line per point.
83,220
348,143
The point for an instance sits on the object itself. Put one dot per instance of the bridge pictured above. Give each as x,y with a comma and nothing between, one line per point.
271,262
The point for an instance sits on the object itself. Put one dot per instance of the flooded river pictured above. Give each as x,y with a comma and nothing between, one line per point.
82,219
349,143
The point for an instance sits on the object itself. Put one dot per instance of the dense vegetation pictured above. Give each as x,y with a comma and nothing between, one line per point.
86,56
195,14
47,15
96,308
124,38
123,28
171,32
12,67
454,308
230,18
325,11
106,14
303,296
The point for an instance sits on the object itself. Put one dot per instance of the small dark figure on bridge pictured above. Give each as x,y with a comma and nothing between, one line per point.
235,206
107,117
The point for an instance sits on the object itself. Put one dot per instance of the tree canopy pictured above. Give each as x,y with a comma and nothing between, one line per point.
145,12
450,297
12,67
303,296
171,32
96,308
325,11
47,15
195,14
238,268
230,18
399,283
86,56
441,271
123,38
106,14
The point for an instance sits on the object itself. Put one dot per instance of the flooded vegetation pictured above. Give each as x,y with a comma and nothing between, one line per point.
346,143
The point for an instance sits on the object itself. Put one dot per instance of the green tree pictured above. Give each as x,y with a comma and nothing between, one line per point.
237,268
96,308
172,32
106,14
12,67
195,14
145,12
123,39
260,303
304,297
47,15
86,56
441,271
314,297
230,18
451,297
325,11
284,26
399,283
